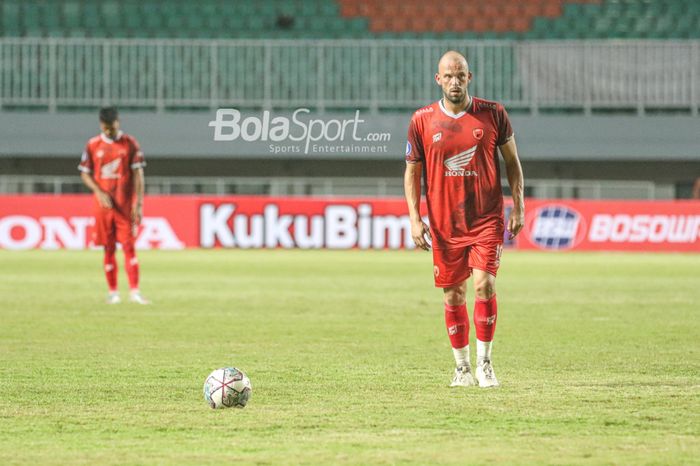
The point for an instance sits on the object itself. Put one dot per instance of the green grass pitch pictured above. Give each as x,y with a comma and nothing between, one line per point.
597,354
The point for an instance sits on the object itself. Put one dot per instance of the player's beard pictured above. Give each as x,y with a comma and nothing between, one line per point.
456,99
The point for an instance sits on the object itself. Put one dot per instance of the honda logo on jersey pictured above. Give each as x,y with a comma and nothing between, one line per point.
455,164
110,171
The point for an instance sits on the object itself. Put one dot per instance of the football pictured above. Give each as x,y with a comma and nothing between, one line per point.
227,388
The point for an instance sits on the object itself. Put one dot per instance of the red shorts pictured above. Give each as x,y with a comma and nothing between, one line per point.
112,226
453,266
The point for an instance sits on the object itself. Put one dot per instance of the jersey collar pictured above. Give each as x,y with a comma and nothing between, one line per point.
456,115
108,140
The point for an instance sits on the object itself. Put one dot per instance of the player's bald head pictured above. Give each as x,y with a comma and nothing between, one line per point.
453,77
452,59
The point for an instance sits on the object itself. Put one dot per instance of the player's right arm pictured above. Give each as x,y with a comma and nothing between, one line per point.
102,197
85,168
412,186
412,189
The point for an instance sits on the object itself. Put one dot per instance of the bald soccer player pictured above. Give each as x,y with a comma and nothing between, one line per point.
453,145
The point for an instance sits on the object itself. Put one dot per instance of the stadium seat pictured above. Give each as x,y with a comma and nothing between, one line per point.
497,19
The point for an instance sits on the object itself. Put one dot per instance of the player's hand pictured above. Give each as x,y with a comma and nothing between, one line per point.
136,216
104,199
516,220
421,235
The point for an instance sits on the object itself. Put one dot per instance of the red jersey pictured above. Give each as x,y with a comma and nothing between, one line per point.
461,172
111,163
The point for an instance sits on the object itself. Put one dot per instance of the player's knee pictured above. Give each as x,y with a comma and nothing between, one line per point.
455,296
485,289
110,249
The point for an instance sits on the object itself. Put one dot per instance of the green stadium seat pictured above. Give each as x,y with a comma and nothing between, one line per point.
76,33
308,8
665,24
10,11
329,8
153,23
34,31
71,15
130,10
99,32
12,30
255,23
174,22
643,27
133,22
241,9
110,8
194,22
29,17
151,7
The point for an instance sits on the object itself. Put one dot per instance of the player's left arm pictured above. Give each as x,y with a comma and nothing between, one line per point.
514,172
137,212
137,163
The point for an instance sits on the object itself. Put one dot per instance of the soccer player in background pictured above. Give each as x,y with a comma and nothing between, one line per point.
453,145
112,167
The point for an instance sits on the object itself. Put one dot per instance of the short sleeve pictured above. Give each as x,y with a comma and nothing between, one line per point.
137,158
414,145
85,164
505,130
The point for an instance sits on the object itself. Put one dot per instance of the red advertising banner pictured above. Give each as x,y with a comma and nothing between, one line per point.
176,222
611,225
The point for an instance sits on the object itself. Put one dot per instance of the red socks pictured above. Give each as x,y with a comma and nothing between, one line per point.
131,264
110,262
485,311
457,323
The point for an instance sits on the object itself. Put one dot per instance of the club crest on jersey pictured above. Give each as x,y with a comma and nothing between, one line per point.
456,163
478,133
437,136
100,153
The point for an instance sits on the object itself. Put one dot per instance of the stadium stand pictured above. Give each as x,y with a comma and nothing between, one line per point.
297,19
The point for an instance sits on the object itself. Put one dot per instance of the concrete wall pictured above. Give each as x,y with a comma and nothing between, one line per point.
662,149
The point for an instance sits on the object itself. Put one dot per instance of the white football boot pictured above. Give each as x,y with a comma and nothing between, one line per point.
463,377
485,375
135,297
113,298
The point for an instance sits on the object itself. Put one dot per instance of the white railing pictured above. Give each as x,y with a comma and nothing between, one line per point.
330,186
328,74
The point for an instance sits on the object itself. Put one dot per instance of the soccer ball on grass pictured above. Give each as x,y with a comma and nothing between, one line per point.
227,388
